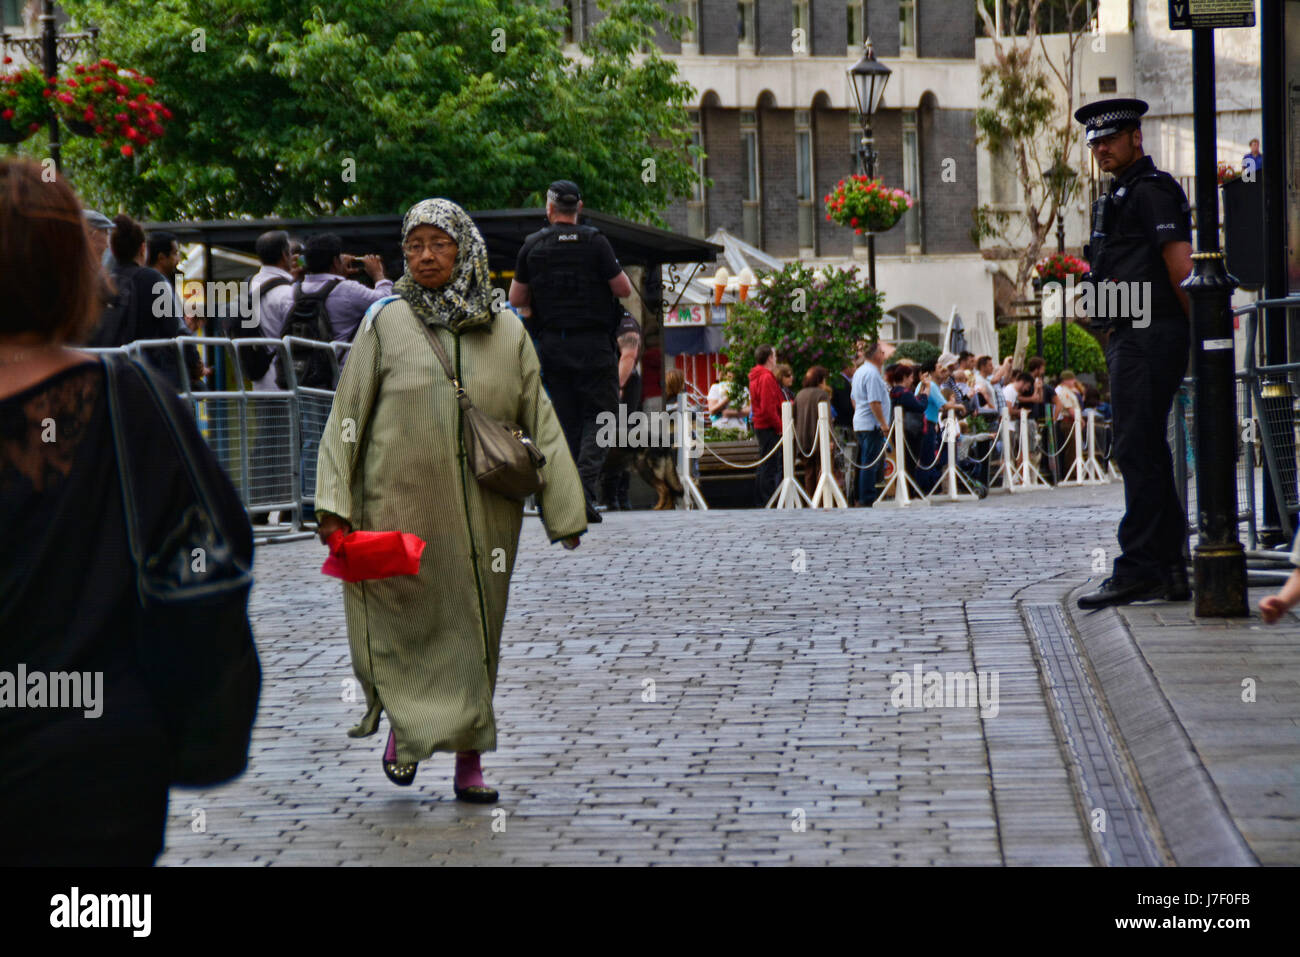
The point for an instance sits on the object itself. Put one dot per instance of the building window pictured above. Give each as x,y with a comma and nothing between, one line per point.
1004,185
912,180
752,219
691,32
907,24
573,29
857,26
803,174
697,223
745,25
801,32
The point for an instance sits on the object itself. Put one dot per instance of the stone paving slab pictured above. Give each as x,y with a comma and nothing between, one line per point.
771,736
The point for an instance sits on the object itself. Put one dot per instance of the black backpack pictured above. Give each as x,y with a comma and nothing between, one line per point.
117,321
309,319
255,360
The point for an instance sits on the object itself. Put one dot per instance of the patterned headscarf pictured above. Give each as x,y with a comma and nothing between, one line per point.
465,302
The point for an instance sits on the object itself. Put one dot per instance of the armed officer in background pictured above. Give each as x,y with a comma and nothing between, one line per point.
1141,238
566,282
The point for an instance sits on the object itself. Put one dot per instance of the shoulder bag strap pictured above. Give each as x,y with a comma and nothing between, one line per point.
196,475
462,397
132,517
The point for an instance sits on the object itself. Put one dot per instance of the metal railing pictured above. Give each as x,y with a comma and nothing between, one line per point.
266,441
1268,435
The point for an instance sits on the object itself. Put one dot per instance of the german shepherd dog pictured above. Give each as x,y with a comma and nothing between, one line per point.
657,466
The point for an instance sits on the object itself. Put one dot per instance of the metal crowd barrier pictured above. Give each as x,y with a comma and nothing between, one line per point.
1267,437
265,439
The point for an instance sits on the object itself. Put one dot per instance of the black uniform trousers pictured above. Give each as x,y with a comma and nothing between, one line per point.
580,374
1146,367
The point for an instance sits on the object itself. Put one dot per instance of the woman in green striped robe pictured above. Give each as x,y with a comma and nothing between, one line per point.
393,457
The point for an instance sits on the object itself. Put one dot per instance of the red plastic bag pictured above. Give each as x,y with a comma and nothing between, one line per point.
358,556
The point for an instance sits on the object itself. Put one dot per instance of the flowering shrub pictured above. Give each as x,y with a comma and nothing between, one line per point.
115,105
1058,265
866,204
811,319
22,100
1227,172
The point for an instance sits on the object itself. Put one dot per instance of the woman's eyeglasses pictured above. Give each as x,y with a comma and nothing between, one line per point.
417,249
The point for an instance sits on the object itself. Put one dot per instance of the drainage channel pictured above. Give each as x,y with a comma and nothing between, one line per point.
1115,816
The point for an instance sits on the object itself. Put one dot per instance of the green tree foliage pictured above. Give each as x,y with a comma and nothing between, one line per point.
1026,120
1085,352
918,351
366,106
810,319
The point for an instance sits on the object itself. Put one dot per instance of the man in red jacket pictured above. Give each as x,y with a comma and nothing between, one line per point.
765,399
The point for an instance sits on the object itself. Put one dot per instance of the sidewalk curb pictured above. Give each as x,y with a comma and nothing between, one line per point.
1190,813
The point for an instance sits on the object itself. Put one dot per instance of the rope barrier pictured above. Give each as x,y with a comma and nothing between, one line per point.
991,438
872,464
750,465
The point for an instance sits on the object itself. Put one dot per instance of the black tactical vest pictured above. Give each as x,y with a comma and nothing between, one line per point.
1109,224
567,290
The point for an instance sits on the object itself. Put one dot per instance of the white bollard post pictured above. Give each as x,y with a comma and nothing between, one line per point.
1008,467
1079,469
1024,449
827,494
691,496
900,459
788,494
950,439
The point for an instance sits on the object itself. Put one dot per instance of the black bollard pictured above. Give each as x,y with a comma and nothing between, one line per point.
1218,561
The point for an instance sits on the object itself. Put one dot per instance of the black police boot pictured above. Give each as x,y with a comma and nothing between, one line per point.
1176,586
1112,592
593,516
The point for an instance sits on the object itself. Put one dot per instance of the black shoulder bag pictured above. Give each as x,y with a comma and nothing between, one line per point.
194,645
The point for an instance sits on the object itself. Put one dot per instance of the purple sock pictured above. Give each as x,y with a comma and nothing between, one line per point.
390,752
468,771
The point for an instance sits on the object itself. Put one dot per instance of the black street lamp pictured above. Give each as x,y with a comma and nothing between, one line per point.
867,79
52,48
1062,179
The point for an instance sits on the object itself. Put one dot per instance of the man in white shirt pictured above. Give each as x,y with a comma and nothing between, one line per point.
271,284
871,412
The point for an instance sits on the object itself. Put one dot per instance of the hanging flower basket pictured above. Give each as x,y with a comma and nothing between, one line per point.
1057,266
1227,172
114,105
866,205
22,103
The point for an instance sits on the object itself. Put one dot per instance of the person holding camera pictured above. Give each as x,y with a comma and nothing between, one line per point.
343,299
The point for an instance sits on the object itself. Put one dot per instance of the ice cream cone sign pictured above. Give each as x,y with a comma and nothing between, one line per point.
720,279
746,279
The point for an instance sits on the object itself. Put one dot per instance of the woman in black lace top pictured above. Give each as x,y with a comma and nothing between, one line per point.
85,756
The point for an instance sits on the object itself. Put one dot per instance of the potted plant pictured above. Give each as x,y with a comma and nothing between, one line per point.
114,105
866,205
1057,266
22,103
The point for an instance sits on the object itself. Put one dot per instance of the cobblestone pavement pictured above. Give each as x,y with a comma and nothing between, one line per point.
677,691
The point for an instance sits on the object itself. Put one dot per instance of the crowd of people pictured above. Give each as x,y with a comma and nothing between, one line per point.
862,398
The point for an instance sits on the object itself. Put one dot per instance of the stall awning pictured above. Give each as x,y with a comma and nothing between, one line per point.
503,230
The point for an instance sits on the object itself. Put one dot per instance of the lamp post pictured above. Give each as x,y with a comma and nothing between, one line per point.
1063,179
867,79
51,48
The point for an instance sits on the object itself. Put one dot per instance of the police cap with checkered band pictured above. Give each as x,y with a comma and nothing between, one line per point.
1110,116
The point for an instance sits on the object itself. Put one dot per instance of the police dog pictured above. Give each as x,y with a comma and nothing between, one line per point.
657,467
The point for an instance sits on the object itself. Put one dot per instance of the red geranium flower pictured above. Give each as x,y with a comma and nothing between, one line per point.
126,150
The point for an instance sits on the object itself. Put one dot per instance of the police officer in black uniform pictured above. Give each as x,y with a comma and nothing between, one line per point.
566,282
1141,234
